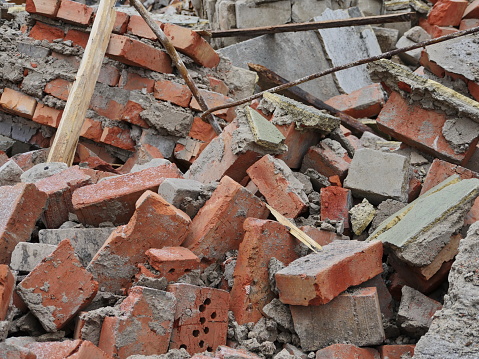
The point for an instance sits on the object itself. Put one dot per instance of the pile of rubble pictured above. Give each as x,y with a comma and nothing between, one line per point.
166,240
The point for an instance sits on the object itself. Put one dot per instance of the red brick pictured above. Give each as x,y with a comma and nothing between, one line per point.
58,88
146,324
335,204
201,130
74,12
7,284
447,12
143,154
29,159
109,75
135,53
154,224
396,351
44,293
346,351
320,236
218,226
419,128
172,262
327,160
59,189
18,103
272,177
218,85
79,38
22,201
201,318
251,291
16,352
472,10
224,352
121,22
190,43
114,199
131,81
91,129
473,89
131,113
173,92
47,115
68,349
46,8
118,137
365,102
313,280
138,27
212,99
43,31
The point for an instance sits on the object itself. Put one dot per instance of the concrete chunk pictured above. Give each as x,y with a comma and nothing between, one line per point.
26,255
264,132
10,173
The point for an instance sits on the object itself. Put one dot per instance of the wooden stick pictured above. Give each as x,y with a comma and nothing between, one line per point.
385,55
68,133
306,26
348,121
170,49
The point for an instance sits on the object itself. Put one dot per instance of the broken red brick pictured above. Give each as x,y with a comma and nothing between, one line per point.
365,102
118,137
42,7
22,201
113,200
218,86
224,352
173,92
18,103
396,351
473,89
172,262
218,226
59,189
320,236
109,75
318,278
191,44
7,284
447,12
121,22
472,10
135,53
78,38
74,12
155,224
273,179
212,99
59,88
335,204
147,323
47,115
131,81
131,113
16,352
441,170
54,302
137,26
251,291
328,158
346,351
201,318
68,349
41,31
201,130
91,129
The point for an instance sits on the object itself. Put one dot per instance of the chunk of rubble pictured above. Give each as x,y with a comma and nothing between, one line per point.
361,215
264,132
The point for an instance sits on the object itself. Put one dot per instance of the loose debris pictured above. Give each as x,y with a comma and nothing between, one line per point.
284,235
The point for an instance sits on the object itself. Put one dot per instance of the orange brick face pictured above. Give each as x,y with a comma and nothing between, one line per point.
74,12
18,103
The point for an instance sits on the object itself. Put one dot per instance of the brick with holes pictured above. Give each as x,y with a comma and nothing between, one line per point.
172,262
201,318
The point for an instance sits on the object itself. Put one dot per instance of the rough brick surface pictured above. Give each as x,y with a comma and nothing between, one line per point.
155,224
41,31
172,262
68,349
7,284
114,199
59,88
75,12
447,12
472,11
54,302
47,115
18,103
144,328
23,201
319,277
335,204
137,26
346,351
131,81
328,158
42,7
395,351
173,92
201,318
218,226
251,291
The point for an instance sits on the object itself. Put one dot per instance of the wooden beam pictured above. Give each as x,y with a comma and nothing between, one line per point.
68,133
306,26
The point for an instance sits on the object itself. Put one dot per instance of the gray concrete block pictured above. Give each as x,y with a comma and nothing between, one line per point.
378,175
386,37
410,57
6,143
37,52
251,14
305,10
417,34
10,173
85,241
153,163
356,43
175,190
26,255
43,170
370,7
279,52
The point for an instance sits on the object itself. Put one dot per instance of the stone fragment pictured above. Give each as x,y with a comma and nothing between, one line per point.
10,173
313,279
264,132
54,302
361,215
26,256
43,170
280,313
178,190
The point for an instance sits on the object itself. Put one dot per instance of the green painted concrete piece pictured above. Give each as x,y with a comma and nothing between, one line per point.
265,133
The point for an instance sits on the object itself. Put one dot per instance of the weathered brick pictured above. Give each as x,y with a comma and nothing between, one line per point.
131,81
74,12
23,201
155,224
7,284
77,37
335,204
328,158
41,31
201,130
47,115
218,226
251,291
468,23
18,103
319,277
441,170
59,88
190,43
320,236
201,318
121,22
91,129
138,27
472,10
396,351
218,85
135,53
114,199
15,352
172,262
68,349
346,351
473,89
54,302
144,328
212,99
277,184
173,92
118,137
131,113
42,7
447,12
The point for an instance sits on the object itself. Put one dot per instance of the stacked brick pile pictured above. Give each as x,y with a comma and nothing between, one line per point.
175,251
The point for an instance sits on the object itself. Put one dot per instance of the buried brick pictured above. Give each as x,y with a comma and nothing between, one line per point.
68,349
